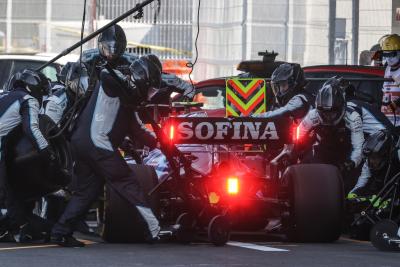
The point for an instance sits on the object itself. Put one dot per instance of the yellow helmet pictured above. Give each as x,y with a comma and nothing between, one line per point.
390,42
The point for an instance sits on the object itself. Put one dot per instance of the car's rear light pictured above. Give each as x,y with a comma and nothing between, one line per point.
232,185
296,133
171,132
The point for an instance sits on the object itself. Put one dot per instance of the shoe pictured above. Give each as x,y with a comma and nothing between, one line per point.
66,241
6,236
26,234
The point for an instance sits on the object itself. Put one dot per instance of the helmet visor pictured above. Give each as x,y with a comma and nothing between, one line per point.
109,49
388,54
280,88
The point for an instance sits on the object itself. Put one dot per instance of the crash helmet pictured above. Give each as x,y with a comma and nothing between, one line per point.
153,58
391,49
34,82
330,102
286,81
146,75
112,43
377,149
77,79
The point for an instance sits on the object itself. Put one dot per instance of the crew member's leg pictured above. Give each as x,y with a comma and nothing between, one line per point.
120,177
88,187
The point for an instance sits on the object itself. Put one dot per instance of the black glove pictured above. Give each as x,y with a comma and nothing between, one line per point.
348,165
48,154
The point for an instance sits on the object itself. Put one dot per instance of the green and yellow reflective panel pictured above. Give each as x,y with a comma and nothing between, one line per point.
245,96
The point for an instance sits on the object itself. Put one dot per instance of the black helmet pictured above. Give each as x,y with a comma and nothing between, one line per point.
35,82
153,58
330,102
377,149
112,42
77,79
286,81
146,75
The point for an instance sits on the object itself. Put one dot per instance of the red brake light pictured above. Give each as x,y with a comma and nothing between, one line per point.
171,132
232,185
296,134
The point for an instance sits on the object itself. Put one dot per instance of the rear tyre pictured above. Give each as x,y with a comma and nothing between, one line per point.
185,234
316,202
122,222
380,234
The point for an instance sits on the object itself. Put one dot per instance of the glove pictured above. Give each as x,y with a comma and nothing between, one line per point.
48,154
348,165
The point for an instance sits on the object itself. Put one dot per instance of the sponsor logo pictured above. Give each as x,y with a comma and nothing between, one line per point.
222,130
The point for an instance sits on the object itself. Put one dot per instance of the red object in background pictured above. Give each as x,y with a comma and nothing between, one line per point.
177,67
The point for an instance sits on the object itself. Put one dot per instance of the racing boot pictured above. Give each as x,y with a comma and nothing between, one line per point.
66,241
27,234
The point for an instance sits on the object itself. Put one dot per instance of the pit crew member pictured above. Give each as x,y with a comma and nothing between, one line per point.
106,119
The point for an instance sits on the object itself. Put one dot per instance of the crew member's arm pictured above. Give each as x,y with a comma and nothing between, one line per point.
296,107
30,122
309,122
141,134
354,124
363,178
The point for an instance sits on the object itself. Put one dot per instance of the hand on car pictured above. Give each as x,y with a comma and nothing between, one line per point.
49,154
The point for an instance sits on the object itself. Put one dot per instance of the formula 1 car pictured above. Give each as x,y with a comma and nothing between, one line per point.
304,201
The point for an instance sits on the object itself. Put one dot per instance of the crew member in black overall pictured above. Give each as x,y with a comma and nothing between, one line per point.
338,129
287,82
106,119
20,105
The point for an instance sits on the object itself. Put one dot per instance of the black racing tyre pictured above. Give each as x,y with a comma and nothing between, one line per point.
219,230
122,222
185,234
382,232
28,172
316,202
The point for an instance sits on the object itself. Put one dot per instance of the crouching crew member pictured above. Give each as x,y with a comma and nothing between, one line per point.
338,129
105,121
20,105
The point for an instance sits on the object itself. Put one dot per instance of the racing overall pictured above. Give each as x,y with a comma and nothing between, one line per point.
391,92
335,144
100,130
17,107
373,120
55,105
297,107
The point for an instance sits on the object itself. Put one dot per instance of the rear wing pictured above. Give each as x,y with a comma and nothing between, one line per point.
242,130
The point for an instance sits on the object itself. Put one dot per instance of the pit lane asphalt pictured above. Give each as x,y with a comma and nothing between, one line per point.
241,252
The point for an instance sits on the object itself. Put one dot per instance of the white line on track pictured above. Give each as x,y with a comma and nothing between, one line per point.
28,247
254,246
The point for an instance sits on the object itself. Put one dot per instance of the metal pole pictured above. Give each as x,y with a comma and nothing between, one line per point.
332,30
9,26
48,25
244,30
355,24
138,7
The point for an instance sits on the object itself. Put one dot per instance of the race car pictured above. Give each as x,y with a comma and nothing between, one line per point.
225,192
